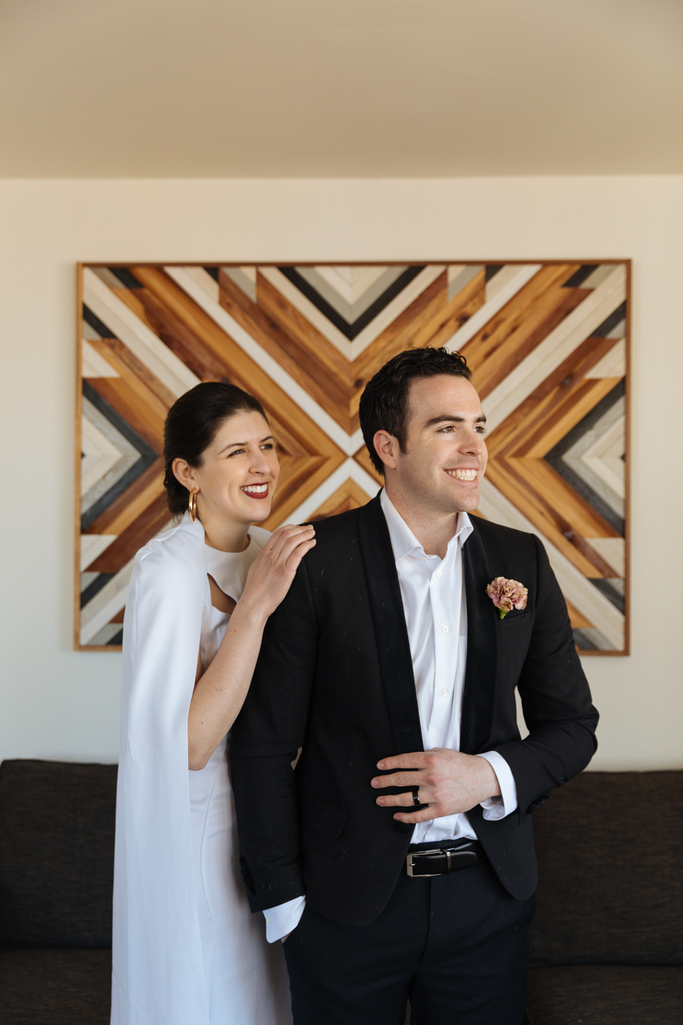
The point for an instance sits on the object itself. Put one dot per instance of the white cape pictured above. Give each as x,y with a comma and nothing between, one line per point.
158,972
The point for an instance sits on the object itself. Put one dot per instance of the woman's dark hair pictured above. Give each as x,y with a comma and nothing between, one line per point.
384,403
191,426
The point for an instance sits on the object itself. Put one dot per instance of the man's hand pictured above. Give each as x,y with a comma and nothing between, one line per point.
449,782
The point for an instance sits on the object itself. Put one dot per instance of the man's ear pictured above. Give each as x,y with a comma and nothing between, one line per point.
183,472
387,448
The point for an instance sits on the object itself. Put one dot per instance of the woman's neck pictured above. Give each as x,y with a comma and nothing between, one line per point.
226,537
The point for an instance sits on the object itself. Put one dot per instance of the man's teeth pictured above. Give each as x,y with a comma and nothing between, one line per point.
255,489
462,474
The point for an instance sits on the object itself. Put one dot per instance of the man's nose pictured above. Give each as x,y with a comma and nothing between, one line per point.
473,441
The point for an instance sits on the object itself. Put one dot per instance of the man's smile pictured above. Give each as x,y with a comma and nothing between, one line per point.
463,474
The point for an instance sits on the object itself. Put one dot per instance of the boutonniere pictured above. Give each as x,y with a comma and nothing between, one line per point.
507,595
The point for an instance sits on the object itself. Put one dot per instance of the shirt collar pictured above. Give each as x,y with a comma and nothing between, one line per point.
404,542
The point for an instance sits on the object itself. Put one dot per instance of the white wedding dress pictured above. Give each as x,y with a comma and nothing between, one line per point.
186,948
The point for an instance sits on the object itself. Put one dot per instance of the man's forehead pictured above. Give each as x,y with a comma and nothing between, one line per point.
452,394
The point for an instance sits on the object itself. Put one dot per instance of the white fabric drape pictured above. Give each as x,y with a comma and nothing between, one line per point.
159,966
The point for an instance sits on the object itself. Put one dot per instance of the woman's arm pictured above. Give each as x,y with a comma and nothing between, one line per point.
221,690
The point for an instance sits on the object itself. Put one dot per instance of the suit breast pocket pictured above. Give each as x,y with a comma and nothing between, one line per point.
514,636
513,621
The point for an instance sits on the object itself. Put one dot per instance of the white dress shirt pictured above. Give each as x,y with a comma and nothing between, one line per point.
433,594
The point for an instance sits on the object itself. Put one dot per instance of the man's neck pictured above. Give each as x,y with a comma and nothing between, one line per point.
433,531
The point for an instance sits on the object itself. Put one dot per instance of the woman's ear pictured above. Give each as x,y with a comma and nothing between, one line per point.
185,473
386,447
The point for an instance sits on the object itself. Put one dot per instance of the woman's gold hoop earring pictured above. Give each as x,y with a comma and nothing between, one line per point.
192,505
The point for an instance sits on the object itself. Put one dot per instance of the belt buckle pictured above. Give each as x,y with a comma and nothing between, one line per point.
421,875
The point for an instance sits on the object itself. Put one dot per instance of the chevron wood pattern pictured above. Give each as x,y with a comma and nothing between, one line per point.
547,343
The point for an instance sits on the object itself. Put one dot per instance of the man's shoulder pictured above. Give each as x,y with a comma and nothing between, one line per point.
488,528
341,541
344,524
498,537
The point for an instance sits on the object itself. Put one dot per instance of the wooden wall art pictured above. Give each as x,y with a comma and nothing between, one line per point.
547,343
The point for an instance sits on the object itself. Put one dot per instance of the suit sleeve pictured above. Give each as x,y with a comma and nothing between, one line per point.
556,700
265,741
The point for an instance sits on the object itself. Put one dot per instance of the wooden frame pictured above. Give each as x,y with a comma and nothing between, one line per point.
547,342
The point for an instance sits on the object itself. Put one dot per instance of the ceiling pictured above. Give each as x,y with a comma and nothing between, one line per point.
340,88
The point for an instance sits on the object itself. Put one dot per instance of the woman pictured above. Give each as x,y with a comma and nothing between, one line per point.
186,949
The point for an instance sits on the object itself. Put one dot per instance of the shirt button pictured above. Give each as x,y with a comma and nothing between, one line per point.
444,629
438,574
444,692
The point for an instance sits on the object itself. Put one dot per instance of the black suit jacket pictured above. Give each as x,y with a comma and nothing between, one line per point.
335,678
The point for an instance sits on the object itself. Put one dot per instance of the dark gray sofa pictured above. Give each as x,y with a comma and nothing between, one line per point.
56,861
606,944
607,939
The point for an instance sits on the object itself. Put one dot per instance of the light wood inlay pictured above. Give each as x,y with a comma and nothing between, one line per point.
546,342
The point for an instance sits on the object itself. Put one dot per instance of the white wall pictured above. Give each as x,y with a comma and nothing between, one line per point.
57,703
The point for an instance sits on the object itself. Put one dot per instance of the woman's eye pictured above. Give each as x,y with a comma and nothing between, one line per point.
268,445
235,452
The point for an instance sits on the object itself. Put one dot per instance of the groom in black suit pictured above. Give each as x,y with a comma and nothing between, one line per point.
396,859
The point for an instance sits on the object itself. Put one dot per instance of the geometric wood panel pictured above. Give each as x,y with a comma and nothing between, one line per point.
547,343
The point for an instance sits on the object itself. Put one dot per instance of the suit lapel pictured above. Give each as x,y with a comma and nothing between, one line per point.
482,649
390,629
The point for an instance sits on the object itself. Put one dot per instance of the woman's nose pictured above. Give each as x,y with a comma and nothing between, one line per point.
259,463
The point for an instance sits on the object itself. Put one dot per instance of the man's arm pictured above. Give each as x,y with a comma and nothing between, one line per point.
556,701
264,742
558,712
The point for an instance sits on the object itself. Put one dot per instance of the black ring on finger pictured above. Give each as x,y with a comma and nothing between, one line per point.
416,798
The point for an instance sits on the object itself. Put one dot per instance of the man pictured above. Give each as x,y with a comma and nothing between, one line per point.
390,666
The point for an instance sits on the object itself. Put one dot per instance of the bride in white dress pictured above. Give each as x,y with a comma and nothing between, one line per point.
186,948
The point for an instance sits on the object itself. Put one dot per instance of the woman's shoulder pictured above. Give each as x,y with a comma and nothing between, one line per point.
174,558
259,535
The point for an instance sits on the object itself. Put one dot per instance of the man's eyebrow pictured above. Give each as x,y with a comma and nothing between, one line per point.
241,444
443,418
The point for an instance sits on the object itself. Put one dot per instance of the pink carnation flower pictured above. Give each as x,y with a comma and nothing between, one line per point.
507,595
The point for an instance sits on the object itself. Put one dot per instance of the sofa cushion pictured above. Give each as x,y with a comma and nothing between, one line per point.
56,853
605,995
610,851
55,987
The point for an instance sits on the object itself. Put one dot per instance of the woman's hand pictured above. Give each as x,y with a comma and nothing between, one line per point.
271,573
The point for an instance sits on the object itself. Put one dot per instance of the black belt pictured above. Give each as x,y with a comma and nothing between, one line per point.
448,857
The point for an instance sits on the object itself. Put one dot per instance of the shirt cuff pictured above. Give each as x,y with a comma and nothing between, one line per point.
284,918
499,807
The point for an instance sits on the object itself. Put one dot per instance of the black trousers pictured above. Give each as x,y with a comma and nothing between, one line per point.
455,945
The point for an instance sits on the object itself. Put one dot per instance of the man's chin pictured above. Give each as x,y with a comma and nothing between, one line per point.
468,504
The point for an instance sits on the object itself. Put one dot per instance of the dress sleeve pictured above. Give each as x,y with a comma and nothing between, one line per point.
157,960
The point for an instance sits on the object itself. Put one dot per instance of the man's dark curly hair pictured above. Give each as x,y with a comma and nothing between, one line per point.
384,403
